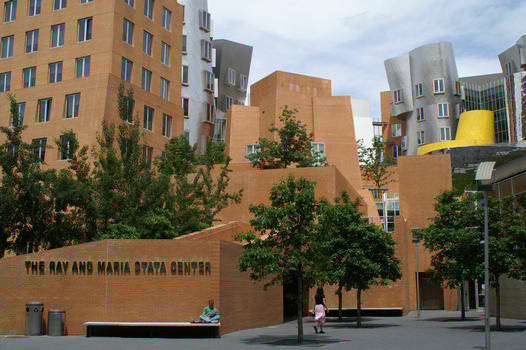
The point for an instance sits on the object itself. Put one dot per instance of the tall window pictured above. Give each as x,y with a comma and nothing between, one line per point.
29,75
5,81
66,149
44,109
126,69
72,105
229,101
167,125
146,79
420,114
397,96
148,8
420,138
206,50
396,130
231,77
59,4
419,90
39,148
318,153
127,31
167,19
185,76
32,41
165,53
10,11
55,72
243,82
210,112
209,81
204,20
57,35
185,44
21,107
84,32
83,67
438,86
165,89
33,8
130,2
148,118
251,148
147,39
443,110
186,106
147,154
445,134
7,46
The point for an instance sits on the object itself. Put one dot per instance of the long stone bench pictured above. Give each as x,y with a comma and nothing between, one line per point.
152,329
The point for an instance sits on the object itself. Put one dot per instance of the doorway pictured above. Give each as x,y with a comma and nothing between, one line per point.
431,294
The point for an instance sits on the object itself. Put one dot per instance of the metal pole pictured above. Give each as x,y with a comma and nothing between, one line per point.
486,274
417,284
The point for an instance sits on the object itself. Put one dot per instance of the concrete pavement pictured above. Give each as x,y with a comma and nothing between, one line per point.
433,330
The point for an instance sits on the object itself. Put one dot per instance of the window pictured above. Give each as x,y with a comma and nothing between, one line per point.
251,148
130,2
420,114
147,39
39,148
396,130
507,68
184,44
57,35
206,50
55,72
445,134
21,107
167,19
66,149
397,96
184,76
243,82
72,105
204,20
438,86
167,125
85,25
29,75
229,101
220,130
165,89
210,112
85,1
419,90
443,110
209,81
5,81
148,8
147,154
420,139
32,41
165,53
186,106
231,77
44,109
10,11
397,151
128,104
146,79
127,31
126,69
7,46
59,4
148,118
318,153
33,8
83,67
458,88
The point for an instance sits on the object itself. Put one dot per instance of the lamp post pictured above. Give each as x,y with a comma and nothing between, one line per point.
416,241
484,176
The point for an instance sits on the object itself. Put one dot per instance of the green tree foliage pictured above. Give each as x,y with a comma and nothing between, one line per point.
293,148
374,165
358,253
287,252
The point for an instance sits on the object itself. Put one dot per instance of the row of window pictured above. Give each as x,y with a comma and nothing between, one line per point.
207,75
209,117
34,8
438,88
71,109
230,79
57,37
148,116
146,78
445,135
82,69
148,11
147,41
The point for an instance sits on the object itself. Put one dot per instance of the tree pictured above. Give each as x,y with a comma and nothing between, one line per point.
374,165
288,250
294,146
360,253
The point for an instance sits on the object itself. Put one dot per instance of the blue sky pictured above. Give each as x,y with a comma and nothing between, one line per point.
347,41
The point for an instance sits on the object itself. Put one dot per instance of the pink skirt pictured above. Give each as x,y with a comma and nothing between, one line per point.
319,313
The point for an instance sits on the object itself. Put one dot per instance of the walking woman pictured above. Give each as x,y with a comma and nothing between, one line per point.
319,310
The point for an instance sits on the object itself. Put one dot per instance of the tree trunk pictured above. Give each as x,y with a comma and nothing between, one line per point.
359,308
300,308
497,301
340,304
462,303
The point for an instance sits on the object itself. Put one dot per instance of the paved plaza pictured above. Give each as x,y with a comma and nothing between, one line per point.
433,330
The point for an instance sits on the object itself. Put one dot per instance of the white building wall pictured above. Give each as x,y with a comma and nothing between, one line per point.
363,122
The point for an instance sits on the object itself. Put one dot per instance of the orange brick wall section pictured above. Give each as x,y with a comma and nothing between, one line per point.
143,296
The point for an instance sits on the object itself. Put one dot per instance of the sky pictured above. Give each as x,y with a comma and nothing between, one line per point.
347,41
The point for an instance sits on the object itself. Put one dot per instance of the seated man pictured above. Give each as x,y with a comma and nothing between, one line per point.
210,313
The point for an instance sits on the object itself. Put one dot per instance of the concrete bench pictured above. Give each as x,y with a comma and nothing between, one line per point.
152,329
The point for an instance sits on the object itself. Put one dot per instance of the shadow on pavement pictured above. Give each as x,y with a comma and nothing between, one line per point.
503,329
308,341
